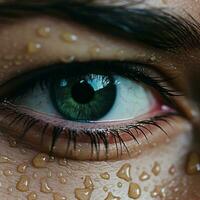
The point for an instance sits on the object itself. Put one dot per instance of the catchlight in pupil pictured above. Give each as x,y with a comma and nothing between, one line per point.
83,98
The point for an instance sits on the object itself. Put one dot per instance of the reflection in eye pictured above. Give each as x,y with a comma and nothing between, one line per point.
81,110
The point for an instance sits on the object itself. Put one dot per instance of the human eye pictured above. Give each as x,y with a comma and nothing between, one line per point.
92,110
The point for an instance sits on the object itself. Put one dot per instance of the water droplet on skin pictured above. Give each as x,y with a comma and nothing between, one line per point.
105,189
49,173
134,191
23,183
62,180
35,175
172,170
105,175
7,172
83,193
119,184
144,176
44,186
33,47
57,196
193,164
62,162
88,183
21,168
156,169
112,197
125,172
40,160
94,51
32,196
6,159
44,32
68,37
158,192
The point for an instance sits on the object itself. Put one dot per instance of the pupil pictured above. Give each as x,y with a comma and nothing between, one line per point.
82,92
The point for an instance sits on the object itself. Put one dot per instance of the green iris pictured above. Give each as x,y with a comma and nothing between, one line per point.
83,98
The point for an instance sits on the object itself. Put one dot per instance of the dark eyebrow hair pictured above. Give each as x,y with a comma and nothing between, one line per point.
154,27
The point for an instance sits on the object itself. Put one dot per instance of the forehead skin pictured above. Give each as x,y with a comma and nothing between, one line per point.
168,154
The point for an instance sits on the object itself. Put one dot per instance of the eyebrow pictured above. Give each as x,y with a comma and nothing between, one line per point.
156,28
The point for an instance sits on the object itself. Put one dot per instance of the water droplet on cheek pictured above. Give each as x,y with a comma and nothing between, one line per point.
43,32
156,169
22,167
112,197
105,176
32,196
193,164
40,160
144,176
134,191
33,47
68,37
83,193
44,186
57,196
23,183
8,172
125,172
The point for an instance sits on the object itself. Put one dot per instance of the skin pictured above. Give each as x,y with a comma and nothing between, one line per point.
167,152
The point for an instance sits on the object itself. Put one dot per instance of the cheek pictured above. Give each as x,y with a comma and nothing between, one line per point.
156,173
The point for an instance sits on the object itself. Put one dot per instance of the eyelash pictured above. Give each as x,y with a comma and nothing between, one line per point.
135,72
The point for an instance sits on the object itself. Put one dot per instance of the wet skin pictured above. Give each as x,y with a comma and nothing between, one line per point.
166,151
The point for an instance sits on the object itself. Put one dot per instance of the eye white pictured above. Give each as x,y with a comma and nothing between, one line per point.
132,100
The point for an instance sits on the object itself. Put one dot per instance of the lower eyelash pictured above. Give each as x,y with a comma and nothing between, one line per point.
97,136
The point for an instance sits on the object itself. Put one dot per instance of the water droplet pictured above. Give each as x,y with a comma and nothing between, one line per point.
105,175
134,191
40,160
193,164
62,180
83,193
57,196
105,189
44,32
172,170
7,172
49,173
68,37
112,197
6,159
62,162
88,183
33,47
44,186
125,172
119,184
21,168
144,176
23,183
32,196
156,169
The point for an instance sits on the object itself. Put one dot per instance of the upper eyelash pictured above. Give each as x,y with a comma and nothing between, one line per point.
130,70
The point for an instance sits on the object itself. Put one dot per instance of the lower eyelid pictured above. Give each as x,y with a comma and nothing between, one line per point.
130,145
